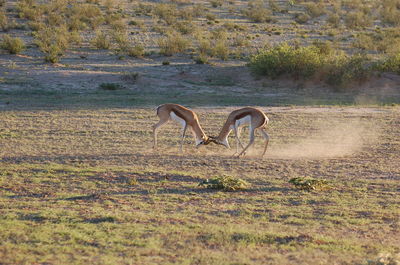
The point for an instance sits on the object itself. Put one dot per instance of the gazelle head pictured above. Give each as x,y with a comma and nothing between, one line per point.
215,140
204,141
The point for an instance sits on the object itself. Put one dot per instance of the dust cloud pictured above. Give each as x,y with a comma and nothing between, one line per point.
328,139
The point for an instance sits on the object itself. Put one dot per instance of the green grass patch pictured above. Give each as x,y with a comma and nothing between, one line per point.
225,183
309,183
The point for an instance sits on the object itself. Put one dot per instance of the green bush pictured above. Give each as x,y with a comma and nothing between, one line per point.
284,59
344,70
318,62
12,45
390,64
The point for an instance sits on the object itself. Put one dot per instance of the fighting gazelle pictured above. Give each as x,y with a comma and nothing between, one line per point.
256,119
185,117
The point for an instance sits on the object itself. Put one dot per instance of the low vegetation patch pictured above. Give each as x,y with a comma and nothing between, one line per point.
12,45
320,62
309,183
225,183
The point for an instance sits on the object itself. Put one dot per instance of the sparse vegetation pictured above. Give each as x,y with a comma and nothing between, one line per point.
257,12
101,41
173,43
225,183
309,184
12,45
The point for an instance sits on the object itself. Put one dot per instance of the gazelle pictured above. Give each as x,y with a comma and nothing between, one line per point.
185,117
252,116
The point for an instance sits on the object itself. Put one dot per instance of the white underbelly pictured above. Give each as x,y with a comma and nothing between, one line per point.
243,121
174,117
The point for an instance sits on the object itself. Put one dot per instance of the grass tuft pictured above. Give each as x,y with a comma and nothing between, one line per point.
309,183
225,183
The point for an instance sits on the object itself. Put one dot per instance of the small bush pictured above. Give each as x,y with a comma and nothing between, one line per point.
301,18
256,12
390,14
314,10
309,184
53,42
357,19
201,59
12,45
166,12
333,19
390,64
101,41
216,3
135,51
173,43
225,183
4,25
221,49
342,71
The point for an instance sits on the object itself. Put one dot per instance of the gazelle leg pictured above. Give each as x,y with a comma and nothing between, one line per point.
183,137
238,131
266,136
155,131
250,142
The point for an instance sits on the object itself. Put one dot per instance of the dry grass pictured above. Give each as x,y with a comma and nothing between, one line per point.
84,182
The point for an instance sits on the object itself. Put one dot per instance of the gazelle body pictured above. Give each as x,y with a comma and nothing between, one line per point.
183,116
256,119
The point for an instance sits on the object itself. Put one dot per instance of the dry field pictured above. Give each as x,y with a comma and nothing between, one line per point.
82,186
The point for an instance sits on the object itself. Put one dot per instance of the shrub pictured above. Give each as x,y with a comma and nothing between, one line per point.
101,41
314,10
135,50
357,19
225,183
390,64
302,18
167,12
173,43
285,59
390,12
221,49
12,45
216,3
53,41
4,26
344,70
201,59
333,19
256,12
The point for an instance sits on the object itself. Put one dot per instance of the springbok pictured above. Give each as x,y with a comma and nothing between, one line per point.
252,116
184,116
